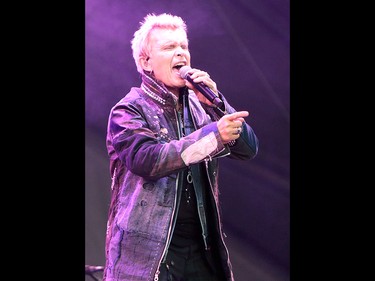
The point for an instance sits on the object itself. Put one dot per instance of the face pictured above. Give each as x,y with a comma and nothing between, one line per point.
168,53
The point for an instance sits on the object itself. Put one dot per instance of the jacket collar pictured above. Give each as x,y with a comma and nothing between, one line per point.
157,90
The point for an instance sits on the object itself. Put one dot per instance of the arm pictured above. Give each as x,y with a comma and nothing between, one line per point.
131,140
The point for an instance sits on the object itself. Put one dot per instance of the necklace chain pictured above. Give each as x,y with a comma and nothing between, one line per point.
152,94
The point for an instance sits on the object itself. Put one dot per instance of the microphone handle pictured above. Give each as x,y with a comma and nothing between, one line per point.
201,87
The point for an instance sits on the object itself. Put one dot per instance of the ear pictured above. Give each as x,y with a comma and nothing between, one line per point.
145,63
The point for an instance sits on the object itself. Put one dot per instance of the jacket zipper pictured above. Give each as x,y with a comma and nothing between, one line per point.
113,178
216,210
156,277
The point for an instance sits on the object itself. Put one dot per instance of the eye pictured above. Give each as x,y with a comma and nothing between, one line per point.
170,47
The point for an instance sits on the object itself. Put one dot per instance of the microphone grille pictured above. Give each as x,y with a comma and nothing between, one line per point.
184,70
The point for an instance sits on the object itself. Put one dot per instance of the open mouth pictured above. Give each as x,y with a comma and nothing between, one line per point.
178,66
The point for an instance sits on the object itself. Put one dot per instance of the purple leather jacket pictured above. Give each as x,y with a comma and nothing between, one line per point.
147,154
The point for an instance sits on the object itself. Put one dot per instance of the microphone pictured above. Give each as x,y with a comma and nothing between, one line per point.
204,89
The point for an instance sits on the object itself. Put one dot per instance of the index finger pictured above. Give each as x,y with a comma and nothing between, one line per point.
237,115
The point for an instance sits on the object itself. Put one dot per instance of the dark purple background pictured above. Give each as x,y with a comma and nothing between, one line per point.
244,46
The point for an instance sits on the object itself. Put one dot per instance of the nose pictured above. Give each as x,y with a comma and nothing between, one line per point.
179,52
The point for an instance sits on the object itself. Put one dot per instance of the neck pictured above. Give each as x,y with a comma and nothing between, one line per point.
175,91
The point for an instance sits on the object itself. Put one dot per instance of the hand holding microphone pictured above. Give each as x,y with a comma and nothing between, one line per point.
200,86
230,125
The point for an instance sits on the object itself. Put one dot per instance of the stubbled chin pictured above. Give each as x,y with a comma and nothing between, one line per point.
181,82
176,83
